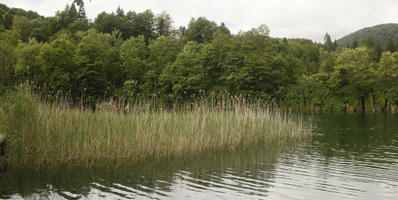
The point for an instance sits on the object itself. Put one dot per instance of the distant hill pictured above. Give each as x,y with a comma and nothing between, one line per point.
381,32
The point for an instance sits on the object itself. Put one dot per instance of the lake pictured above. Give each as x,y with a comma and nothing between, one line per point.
351,156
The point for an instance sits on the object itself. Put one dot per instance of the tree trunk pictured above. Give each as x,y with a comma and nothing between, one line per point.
363,103
3,160
3,143
385,109
373,102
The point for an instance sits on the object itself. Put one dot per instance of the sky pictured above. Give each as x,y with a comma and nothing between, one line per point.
309,19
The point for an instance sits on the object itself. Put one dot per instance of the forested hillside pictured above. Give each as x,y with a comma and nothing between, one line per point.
142,55
385,34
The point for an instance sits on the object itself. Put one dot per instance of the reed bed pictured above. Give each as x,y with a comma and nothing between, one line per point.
49,134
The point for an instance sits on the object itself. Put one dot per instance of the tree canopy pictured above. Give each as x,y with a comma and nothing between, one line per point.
142,55
381,33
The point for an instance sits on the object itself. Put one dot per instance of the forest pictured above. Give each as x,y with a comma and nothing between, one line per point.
385,34
131,55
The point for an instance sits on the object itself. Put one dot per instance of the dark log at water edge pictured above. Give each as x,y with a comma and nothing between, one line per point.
3,144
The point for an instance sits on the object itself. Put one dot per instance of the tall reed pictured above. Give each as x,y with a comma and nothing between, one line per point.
49,134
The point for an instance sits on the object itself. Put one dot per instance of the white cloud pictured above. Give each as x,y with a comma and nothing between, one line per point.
286,18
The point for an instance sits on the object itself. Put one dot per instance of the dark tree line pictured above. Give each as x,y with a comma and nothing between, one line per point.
141,55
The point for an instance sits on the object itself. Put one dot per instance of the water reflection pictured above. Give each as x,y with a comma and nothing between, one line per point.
247,171
351,156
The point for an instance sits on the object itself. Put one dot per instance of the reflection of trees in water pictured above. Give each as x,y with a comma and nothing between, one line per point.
354,148
350,150
150,177
354,135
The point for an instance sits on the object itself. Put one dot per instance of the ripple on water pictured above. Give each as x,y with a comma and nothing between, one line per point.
350,157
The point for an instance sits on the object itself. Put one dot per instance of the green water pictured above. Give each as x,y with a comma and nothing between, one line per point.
351,156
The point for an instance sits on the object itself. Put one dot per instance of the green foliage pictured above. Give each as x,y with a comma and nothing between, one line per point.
381,33
200,30
140,55
187,75
329,46
107,23
130,89
28,66
133,55
162,52
7,58
391,46
142,24
22,26
388,75
58,65
163,24
134,24
98,64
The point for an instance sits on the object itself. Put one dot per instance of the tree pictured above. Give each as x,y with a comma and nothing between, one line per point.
217,60
377,51
262,30
387,78
22,26
44,29
335,45
368,42
255,76
181,32
99,66
231,60
73,12
7,19
355,75
63,19
186,77
162,52
200,30
3,10
328,43
355,44
143,24
328,61
106,23
224,29
306,51
58,66
133,56
312,90
163,24
82,12
391,46
7,58
141,54
120,12
28,67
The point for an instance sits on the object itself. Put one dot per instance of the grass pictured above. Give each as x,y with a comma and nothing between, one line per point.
48,134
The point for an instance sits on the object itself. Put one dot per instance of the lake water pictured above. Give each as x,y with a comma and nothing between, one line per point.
351,156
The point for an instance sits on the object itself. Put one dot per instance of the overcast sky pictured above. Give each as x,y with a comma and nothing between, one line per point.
309,19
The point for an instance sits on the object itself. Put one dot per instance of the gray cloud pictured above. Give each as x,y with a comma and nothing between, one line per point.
286,18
